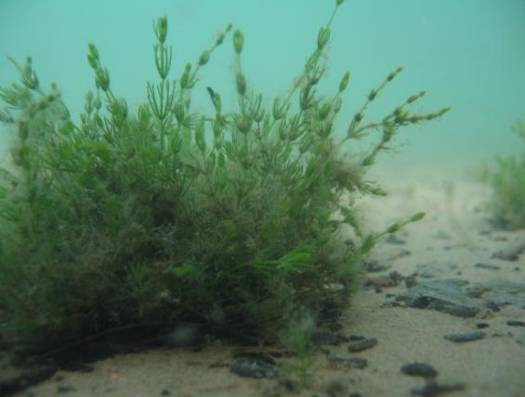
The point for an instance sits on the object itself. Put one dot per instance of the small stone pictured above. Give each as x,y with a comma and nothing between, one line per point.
482,325
254,366
362,345
495,307
510,253
374,266
433,388
503,293
476,291
516,323
419,369
356,337
381,282
465,337
165,392
348,362
446,295
487,266
396,277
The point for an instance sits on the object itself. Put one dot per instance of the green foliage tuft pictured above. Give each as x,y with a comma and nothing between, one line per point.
506,176
236,221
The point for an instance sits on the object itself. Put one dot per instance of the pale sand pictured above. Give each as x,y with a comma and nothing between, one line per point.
449,235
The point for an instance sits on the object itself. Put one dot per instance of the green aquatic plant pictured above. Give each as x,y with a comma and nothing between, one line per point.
506,176
298,339
234,221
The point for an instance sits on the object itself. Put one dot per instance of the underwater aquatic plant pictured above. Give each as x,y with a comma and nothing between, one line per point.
506,176
235,221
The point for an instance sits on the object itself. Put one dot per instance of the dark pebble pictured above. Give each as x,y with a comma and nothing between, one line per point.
516,323
487,266
396,277
380,282
495,307
254,366
362,345
348,362
447,296
465,337
165,392
419,369
356,337
355,395
433,389
510,253
374,266
482,325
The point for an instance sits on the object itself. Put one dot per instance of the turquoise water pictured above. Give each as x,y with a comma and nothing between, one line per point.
467,54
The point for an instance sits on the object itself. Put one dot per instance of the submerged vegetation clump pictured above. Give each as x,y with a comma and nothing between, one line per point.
506,176
236,221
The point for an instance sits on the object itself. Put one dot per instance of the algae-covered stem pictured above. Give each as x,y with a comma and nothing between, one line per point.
322,39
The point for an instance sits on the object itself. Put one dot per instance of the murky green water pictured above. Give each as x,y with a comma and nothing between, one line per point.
467,54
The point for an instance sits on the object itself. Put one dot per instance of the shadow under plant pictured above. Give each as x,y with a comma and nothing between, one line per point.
234,222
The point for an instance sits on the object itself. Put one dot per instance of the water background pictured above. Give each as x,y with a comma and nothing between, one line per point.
467,54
